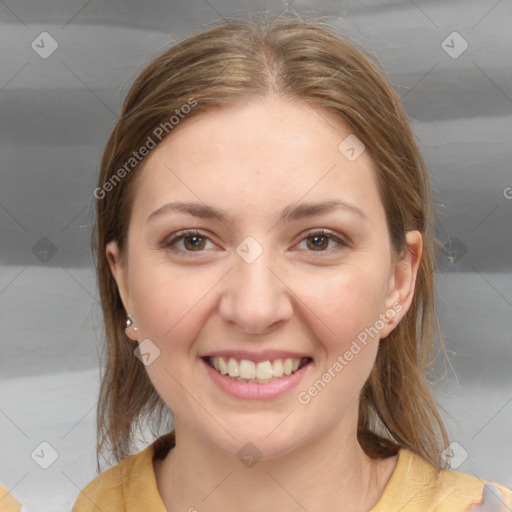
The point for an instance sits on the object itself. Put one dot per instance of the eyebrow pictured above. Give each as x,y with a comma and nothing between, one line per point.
288,214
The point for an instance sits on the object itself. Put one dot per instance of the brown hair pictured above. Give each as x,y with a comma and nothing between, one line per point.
228,64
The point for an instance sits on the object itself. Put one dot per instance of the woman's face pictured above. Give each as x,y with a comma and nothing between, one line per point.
257,284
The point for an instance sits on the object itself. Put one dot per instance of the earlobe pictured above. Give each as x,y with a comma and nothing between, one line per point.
403,281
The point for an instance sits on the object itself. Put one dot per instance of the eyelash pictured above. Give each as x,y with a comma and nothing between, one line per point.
167,244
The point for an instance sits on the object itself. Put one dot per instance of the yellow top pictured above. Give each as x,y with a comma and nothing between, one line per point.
7,501
414,486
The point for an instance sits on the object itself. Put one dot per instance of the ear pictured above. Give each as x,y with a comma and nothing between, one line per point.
402,283
119,271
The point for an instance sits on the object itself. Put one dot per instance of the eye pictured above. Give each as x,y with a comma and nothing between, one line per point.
320,240
194,241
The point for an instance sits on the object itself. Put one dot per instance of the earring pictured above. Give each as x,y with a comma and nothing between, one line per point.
129,322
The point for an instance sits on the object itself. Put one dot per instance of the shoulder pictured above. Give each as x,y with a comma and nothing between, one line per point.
8,503
418,485
105,491
130,483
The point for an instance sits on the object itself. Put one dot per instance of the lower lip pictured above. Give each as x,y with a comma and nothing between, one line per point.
253,390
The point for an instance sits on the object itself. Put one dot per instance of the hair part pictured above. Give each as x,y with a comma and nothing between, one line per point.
229,64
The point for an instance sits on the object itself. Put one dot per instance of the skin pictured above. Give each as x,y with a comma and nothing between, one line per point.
253,160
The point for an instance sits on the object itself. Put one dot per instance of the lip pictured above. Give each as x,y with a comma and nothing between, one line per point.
253,390
265,355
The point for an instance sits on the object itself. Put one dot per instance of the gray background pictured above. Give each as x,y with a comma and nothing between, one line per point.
56,115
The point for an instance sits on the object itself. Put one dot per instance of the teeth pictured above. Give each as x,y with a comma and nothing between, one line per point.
233,368
262,371
223,367
247,369
277,368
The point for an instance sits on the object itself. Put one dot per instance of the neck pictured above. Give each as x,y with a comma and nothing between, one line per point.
198,475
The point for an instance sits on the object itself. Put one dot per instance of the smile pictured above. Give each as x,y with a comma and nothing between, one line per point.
261,372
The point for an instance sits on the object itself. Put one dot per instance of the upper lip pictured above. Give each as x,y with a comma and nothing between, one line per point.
264,355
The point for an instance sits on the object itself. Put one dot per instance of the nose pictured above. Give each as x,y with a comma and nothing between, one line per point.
255,297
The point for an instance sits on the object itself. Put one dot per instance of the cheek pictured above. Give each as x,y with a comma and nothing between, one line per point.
343,304
171,313
168,302
346,310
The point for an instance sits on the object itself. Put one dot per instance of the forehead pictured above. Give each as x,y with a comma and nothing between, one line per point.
258,156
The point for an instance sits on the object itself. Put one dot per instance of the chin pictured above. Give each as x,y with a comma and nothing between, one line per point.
258,442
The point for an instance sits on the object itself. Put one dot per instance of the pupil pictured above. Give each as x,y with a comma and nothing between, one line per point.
196,238
316,238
